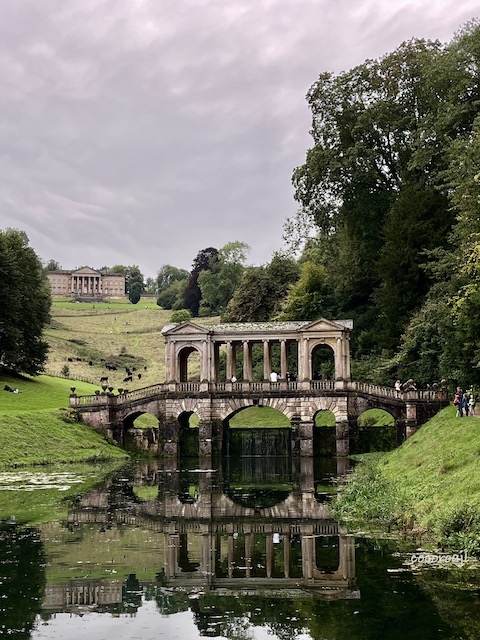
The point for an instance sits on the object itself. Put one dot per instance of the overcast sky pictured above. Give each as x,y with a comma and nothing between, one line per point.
141,131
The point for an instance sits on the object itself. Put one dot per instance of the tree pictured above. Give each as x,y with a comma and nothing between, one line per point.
52,265
134,281
382,134
205,261
420,220
173,297
218,284
262,291
24,305
167,275
308,298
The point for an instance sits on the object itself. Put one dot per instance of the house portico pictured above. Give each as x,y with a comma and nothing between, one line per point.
296,341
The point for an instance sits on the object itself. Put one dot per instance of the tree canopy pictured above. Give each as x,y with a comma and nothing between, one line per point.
24,305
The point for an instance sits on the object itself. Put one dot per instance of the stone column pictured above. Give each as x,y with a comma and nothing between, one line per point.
229,360
172,370
283,359
342,438
339,360
411,424
204,377
286,554
305,429
247,361
267,365
303,362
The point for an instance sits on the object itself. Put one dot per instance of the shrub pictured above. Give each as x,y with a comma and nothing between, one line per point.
182,315
65,370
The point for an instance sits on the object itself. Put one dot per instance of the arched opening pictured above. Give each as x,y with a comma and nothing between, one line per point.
324,433
140,431
257,449
189,359
327,553
188,441
376,431
323,362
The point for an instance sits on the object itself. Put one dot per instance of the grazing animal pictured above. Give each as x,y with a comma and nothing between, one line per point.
139,376
128,379
103,379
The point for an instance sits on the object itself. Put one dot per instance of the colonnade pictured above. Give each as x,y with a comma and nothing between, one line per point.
297,343
86,284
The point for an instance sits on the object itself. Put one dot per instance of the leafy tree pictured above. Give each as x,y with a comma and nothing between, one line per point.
52,265
173,297
204,261
151,286
308,298
181,315
24,305
134,281
218,284
418,221
167,275
262,291
374,182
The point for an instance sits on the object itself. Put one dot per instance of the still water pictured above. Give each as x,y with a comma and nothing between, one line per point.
243,548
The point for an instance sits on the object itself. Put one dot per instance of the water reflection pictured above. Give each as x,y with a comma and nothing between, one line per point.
243,548
256,525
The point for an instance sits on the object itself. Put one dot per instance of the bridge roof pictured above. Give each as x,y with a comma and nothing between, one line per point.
290,326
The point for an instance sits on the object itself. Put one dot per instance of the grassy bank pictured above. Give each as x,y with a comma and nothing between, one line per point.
48,437
36,426
429,486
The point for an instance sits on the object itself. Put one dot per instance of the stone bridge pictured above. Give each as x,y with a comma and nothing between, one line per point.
215,403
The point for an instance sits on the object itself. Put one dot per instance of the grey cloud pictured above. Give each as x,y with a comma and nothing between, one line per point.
143,131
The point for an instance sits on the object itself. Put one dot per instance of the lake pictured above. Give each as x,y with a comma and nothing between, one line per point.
241,548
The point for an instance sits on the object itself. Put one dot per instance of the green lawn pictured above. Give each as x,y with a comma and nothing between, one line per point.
39,393
430,483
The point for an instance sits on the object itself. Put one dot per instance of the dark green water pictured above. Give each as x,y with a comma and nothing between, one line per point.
242,548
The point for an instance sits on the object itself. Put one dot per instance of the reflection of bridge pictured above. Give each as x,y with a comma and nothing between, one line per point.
216,402
212,542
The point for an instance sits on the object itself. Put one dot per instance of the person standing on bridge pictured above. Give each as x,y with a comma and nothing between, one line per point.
274,376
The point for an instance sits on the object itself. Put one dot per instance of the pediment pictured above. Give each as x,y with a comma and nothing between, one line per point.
185,328
322,324
86,271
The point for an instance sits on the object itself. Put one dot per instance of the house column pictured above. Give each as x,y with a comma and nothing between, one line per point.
283,359
267,364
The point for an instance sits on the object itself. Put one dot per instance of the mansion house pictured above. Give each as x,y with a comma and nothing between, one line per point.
86,283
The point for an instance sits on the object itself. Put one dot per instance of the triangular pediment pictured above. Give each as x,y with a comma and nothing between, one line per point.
86,271
322,324
185,328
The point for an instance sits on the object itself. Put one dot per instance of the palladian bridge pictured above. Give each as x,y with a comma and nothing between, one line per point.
212,371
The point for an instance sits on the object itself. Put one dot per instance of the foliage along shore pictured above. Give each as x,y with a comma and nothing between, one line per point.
428,488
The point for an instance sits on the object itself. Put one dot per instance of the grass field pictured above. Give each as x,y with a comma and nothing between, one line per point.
117,332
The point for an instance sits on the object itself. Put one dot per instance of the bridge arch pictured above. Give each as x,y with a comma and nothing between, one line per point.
323,359
235,405
189,352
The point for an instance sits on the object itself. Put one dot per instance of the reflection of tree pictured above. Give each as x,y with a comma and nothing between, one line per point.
22,581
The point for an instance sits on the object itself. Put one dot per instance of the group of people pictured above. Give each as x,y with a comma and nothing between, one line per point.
465,402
